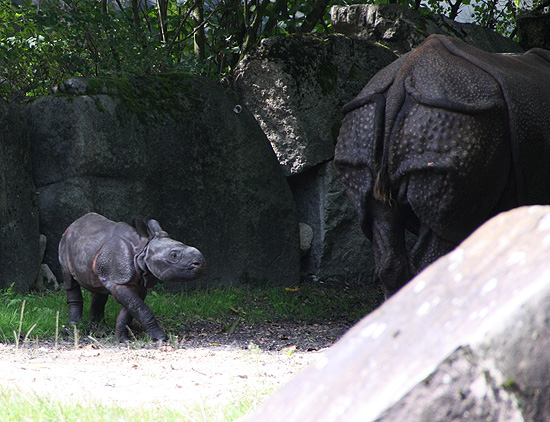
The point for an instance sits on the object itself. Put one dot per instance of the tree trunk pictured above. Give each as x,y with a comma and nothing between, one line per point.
163,16
252,29
198,22
454,9
135,13
280,11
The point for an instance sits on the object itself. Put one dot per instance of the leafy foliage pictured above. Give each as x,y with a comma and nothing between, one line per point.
43,42
41,46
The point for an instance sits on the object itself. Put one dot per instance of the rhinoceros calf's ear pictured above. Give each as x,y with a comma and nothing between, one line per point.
155,229
141,227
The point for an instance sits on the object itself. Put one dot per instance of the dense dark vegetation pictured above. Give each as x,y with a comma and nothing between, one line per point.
44,42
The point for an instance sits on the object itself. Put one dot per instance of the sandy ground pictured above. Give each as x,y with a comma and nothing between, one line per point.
151,377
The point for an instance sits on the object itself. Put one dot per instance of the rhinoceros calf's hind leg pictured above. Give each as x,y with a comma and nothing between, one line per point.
74,298
97,307
134,305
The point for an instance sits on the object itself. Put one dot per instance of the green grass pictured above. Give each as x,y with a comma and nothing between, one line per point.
17,405
40,311
307,303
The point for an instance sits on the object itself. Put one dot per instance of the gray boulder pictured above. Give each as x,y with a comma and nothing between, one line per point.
19,235
296,86
534,30
467,339
46,280
338,247
173,148
401,29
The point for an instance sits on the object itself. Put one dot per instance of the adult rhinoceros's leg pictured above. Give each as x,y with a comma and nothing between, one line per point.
388,239
97,307
136,307
429,247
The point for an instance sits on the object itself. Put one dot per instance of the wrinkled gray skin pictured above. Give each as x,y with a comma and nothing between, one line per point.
440,141
117,259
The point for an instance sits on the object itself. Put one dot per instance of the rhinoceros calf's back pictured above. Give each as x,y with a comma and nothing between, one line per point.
81,242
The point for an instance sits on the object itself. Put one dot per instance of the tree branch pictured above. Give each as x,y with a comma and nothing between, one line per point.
313,17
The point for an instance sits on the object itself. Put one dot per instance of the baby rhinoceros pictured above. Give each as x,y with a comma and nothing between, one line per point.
109,258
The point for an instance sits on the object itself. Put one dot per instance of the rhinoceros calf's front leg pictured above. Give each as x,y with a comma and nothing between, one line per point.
134,306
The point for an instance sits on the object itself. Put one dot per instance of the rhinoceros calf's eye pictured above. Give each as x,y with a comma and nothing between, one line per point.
173,255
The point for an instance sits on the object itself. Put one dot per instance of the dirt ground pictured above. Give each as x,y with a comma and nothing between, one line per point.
206,366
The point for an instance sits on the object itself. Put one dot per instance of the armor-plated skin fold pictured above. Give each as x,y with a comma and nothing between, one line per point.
122,260
438,142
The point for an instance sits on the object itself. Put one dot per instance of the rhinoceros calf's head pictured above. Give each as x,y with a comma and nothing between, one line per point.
168,259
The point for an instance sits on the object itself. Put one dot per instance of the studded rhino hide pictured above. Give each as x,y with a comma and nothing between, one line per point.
448,136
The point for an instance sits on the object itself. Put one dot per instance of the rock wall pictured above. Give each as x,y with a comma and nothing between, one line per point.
467,339
338,249
19,236
173,148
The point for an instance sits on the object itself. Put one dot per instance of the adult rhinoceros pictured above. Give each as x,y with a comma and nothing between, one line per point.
440,141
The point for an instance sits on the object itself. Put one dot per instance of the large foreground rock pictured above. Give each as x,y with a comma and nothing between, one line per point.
467,339
173,148
19,236
402,29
